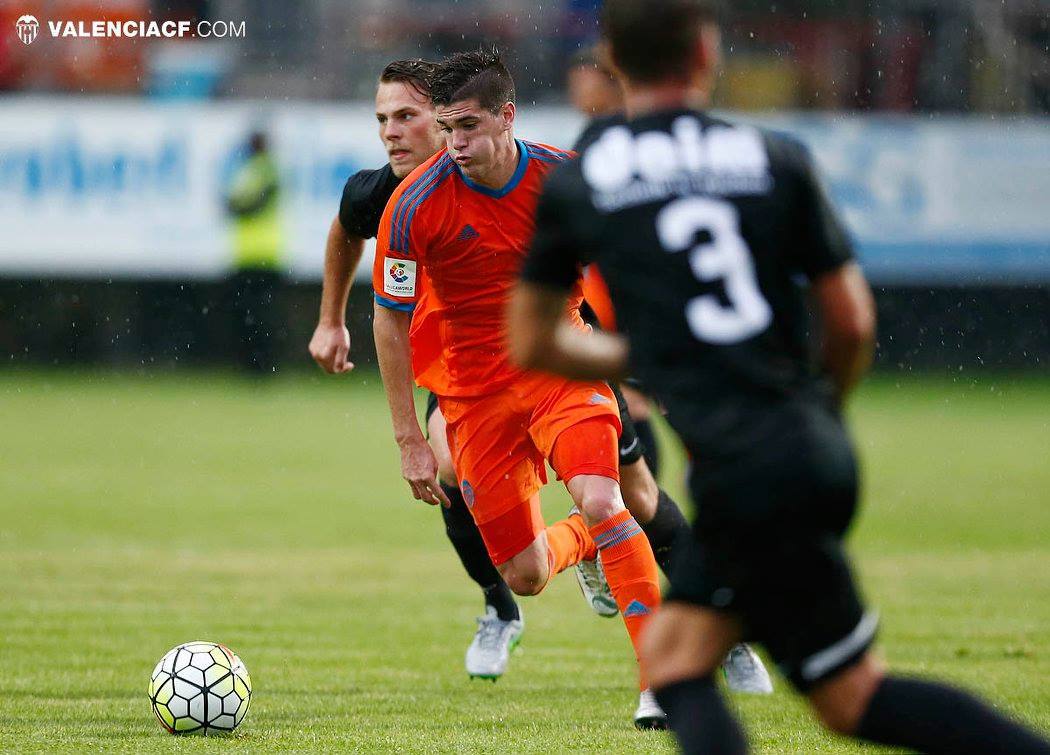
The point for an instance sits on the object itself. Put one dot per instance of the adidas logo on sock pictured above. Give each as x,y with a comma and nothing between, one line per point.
468,233
635,608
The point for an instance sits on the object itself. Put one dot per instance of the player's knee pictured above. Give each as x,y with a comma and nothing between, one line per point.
664,651
640,492
527,573
841,701
838,717
598,498
658,640
524,582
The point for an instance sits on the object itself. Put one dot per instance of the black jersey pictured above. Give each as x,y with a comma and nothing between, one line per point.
595,128
364,198
705,232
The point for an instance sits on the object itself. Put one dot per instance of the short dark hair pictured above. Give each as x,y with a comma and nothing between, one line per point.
651,40
416,73
590,57
479,74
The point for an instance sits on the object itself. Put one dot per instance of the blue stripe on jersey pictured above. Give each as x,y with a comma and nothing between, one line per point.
418,200
405,197
399,233
547,159
399,229
400,306
543,152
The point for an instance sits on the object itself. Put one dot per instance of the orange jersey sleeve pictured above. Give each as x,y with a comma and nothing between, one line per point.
596,293
397,273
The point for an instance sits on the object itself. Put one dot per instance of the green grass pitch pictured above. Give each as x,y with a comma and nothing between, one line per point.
138,512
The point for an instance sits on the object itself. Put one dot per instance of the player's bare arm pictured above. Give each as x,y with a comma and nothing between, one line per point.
330,344
847,312
419,466
540,338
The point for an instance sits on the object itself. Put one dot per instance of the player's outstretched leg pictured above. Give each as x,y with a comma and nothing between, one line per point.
500,628
863,702
682,649
585,457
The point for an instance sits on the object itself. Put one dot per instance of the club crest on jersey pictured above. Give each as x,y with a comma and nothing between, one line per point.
400,278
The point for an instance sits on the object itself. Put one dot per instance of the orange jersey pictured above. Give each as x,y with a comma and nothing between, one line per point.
449,250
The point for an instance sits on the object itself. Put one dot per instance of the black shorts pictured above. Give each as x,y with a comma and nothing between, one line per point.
631,446
432,406
768,547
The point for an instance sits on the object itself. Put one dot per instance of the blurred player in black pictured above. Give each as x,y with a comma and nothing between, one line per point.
708,235
595,91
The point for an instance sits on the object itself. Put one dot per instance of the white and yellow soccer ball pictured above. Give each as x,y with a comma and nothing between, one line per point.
200,687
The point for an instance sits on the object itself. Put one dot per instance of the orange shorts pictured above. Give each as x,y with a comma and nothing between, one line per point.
500,443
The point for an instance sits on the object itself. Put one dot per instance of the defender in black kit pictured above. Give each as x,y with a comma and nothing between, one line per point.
711,236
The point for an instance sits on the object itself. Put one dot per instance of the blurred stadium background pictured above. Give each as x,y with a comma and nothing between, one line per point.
143,504
929,118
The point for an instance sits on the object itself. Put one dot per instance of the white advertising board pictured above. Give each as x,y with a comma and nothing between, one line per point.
129,188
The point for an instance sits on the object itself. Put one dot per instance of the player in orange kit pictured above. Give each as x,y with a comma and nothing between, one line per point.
450,243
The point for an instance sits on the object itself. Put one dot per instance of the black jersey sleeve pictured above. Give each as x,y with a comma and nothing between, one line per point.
364,197
558,250
822,242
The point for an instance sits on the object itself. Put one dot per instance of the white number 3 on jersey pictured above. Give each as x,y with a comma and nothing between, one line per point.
725,256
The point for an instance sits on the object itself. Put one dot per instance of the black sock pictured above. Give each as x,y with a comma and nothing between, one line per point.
699,718
466,539
936,718
665,529
501,598
652,451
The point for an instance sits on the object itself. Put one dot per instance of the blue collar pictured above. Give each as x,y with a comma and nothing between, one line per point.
519,172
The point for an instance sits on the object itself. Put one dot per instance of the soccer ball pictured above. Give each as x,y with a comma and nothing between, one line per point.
200,687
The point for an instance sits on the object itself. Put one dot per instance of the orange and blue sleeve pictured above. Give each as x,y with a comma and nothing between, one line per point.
395,282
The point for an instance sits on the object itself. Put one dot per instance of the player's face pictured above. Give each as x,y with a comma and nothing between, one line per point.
474,136
593,92
406,126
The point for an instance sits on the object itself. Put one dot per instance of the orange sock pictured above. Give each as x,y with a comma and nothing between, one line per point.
568,543
630,569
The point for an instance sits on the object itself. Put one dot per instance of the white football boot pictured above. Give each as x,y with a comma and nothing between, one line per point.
745,673
649,714
489,653
593,584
